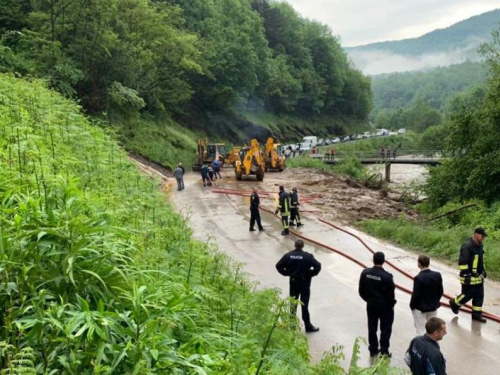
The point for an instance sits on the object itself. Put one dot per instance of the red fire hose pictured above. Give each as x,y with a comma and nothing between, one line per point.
246,193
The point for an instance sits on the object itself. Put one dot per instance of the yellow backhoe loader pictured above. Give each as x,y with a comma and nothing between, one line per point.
232,157
206,153
273,156
250,162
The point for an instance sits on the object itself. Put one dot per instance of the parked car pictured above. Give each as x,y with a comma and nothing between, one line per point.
346,139
402,131
321,142
384,131
379,133
366,135
336,140
305,147
328,142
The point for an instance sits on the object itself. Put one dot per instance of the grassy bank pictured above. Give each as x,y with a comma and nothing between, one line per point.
161,141
100,276
442,238
349,166
293,128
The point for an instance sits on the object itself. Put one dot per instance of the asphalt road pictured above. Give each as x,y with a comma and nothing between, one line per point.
335,306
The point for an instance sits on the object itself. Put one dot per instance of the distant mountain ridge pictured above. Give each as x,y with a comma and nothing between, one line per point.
441,47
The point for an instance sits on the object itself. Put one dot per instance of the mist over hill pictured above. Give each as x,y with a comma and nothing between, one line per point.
441,47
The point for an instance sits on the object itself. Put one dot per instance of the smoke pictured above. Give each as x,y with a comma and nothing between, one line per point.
377,61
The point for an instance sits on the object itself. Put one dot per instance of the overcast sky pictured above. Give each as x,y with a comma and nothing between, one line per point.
366,21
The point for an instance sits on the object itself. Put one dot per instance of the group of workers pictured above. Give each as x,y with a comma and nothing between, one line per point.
209,173
288,208
377,289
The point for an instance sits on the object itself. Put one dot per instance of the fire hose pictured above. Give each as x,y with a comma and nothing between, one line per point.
245,193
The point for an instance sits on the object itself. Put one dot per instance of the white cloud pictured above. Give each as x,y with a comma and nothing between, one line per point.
366,21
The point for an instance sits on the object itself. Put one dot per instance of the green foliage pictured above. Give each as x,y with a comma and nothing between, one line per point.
417,118
436,87
348,166
181,57
100,276
474,141
162,141
444,237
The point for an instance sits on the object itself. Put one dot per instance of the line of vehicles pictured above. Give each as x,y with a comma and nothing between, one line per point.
308,143
248,160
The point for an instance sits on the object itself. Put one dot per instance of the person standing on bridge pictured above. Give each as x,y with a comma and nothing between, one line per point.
472,275
284,209
424,355
301,267
376,288
254,211
427,292
294,208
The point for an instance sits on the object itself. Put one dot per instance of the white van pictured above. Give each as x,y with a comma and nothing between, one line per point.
311,141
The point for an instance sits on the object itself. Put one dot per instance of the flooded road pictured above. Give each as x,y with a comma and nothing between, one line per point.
335,306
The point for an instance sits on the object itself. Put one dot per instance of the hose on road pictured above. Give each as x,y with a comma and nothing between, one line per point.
246,193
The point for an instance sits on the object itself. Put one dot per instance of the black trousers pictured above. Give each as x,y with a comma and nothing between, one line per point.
255,217
300,289
474,293
295,215
384,315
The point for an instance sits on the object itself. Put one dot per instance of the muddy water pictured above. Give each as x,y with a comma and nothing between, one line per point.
403,174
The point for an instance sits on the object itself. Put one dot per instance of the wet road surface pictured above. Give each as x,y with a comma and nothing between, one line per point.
335,306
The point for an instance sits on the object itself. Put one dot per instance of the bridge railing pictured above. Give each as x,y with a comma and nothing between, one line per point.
406,154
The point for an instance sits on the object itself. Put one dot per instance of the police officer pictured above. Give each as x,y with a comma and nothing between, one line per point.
472,275
254,211
301,267
376,288
294,208
284,209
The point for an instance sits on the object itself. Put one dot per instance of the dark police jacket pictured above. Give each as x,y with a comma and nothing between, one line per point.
425,357
284,204
294,200
254,201
376,287
471,263
298,263
427,291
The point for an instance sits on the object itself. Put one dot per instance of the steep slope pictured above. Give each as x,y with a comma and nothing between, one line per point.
100,276
441,47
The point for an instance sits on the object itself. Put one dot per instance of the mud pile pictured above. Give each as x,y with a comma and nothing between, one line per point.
337,197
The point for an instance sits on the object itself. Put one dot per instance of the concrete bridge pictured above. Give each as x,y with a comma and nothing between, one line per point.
417,157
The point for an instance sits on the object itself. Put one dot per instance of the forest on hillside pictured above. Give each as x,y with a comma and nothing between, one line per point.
418,100
182,57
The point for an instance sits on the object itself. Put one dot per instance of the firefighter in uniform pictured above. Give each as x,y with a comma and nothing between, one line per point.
284,209
254,211
376,288
294,208
301,267
472,275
